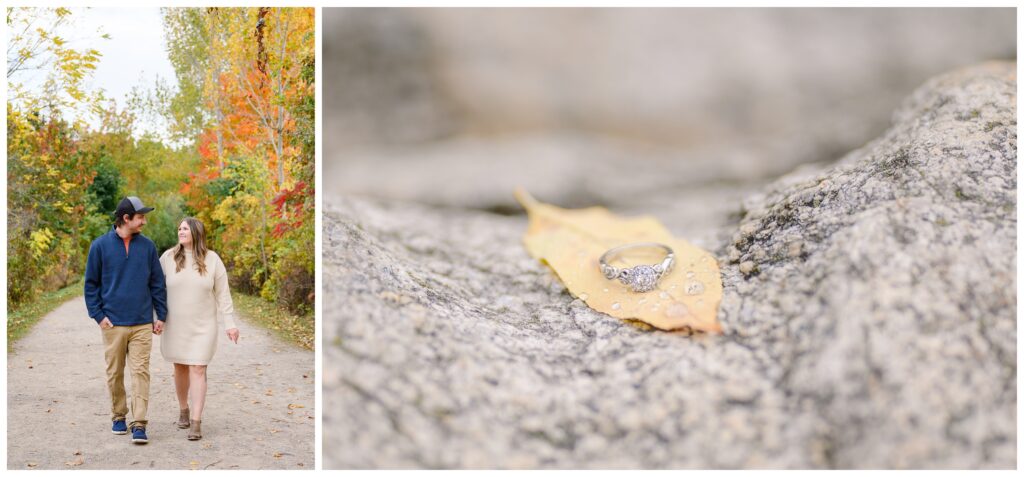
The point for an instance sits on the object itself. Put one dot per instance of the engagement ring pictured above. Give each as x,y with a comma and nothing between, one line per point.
642,278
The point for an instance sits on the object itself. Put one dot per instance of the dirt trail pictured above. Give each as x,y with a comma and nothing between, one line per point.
58,407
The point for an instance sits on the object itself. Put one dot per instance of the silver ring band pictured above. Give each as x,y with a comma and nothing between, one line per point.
641,278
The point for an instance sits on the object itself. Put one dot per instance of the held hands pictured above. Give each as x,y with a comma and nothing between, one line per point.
105,323
158,327
233,335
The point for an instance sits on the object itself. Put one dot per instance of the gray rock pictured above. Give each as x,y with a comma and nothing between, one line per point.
601,105
869,317
378,79
568,168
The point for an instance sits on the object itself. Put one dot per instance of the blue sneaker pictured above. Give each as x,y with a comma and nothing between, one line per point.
119,427
139,435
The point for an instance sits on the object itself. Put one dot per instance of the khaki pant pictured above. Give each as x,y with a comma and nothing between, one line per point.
131,344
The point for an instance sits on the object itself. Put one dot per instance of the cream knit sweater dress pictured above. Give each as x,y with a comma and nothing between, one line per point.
194,306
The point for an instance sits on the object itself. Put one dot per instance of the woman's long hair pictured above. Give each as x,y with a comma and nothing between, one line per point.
198,246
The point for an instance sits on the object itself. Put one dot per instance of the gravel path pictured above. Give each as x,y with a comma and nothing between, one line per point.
259,410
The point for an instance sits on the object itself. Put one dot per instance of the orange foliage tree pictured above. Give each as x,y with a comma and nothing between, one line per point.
249,71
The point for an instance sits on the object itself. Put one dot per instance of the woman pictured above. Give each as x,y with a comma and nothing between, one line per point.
197,298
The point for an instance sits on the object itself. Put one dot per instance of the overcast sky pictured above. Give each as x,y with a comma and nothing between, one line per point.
135,52
134,55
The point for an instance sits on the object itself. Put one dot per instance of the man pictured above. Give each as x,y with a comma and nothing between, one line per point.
123,285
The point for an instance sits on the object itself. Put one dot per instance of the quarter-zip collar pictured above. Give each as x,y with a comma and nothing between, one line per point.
126,243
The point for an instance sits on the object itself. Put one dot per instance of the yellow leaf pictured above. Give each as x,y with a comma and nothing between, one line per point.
295,406
572,241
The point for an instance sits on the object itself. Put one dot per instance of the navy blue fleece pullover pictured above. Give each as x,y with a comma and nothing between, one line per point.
124,286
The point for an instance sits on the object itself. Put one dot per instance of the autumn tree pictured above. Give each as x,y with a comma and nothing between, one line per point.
250,70
49,200
238,152
37,51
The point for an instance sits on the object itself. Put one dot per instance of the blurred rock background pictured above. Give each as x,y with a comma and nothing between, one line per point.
447,346
455,107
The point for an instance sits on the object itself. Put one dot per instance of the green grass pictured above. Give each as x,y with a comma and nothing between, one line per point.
21,321
297,329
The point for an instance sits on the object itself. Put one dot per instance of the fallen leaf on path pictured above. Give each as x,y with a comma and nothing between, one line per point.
277,455
274,431
571,241
295,406
31,465
75,463
270,392
78,453
194,464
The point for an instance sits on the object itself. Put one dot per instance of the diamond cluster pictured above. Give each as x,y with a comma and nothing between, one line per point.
643,278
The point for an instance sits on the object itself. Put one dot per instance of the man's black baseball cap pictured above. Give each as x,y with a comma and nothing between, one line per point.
131,205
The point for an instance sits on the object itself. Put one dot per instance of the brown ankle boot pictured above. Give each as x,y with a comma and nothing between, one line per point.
183,419
194,432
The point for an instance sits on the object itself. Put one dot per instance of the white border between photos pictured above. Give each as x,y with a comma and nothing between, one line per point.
318,305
